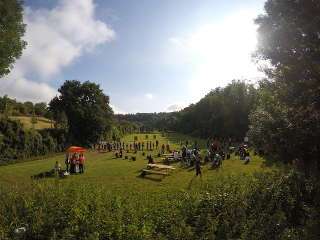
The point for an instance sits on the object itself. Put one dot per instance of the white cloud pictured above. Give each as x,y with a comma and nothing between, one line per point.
219,52
175,107
149,96
117,110
55,39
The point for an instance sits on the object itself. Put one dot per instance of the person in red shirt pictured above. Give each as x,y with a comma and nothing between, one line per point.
81,163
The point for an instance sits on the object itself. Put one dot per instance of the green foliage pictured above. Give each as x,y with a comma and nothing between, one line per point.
87,109
33,119
40,109
223,112
12,31
267,206
17,142
61,120
121,128
289,40
11,107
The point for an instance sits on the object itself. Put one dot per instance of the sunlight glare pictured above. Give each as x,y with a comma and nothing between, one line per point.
221,52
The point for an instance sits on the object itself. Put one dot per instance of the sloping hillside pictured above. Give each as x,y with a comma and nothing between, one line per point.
41,122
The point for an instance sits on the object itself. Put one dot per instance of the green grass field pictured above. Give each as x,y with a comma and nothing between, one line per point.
26,121
112,201
102,169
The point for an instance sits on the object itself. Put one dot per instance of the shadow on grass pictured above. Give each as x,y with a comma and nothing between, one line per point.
192,180
148,177
271,162
177,138
48,174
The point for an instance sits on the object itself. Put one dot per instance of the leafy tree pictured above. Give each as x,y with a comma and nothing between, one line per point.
34,119
289,39
87,109
61,120
12,31
223,112
40,108
29,107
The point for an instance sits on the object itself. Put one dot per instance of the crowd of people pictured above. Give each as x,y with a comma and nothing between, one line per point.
129,146
217,151
189,155
120,147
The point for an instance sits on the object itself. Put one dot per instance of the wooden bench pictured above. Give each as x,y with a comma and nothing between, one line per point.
146,171
160,166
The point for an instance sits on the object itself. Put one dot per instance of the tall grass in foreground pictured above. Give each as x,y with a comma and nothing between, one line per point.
264,206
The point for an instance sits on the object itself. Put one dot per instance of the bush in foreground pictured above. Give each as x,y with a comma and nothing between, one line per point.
267,206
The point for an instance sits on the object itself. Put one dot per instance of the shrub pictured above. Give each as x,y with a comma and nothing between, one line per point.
267,206
19,143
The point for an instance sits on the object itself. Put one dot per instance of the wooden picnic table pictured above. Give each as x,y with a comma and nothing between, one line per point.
167,154
159,169
160,166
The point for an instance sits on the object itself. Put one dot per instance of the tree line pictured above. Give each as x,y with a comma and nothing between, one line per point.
12,107
281,114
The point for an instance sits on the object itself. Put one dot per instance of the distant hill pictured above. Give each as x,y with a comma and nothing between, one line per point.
42,122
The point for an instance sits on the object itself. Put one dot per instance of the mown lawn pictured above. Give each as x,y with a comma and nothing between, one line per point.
27,123
120,175
111,201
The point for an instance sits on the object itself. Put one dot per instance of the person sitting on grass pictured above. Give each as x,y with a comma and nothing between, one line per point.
150,159
216,160
247,157
175,155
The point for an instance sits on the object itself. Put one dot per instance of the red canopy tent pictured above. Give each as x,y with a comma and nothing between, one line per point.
76,149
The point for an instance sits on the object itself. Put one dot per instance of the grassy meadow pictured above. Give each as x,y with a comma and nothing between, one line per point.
112,201
103,169
27,123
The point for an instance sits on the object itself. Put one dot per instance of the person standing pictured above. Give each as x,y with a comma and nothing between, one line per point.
198,165
162,149
77,164
67,162
72,163
81,163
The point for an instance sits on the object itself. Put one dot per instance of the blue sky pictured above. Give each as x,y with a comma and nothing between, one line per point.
147,55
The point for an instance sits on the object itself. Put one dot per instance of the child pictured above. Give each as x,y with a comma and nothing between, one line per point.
247,157
57,168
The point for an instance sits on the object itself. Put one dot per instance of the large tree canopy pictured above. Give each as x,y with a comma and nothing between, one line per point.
223,112
86,108
11,32
289,39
